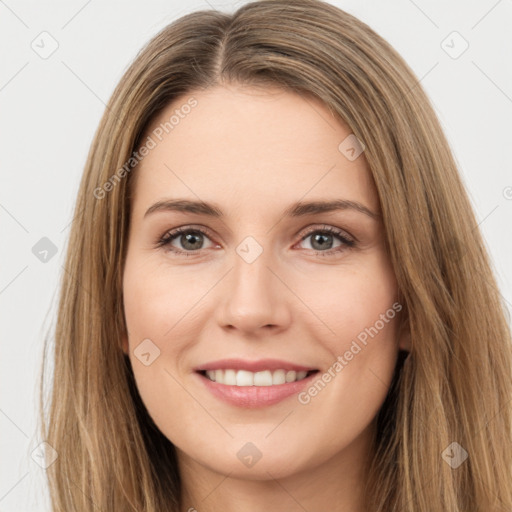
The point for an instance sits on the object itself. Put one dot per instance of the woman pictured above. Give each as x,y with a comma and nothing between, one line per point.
210,353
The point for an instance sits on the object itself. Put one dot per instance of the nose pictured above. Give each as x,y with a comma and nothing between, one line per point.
253,297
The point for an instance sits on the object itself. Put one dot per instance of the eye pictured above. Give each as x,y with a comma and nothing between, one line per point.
322,240
188,241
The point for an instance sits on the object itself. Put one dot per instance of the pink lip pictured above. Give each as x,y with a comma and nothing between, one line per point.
252,366
255,396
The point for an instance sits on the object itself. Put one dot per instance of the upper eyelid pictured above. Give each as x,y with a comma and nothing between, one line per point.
328,228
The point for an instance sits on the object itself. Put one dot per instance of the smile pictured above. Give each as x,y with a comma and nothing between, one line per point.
254,384
242,378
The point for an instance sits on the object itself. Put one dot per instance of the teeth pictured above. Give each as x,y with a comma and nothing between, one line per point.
290,376
279,377
229,377
245,378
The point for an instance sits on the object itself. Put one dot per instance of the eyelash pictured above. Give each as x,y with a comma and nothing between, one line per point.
169,236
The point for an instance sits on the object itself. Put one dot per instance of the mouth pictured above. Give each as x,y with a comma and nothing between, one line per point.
254,384
245,378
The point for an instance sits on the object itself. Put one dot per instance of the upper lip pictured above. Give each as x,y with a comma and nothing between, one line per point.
252,366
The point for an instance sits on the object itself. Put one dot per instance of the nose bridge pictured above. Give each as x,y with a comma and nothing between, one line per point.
254,296
251,275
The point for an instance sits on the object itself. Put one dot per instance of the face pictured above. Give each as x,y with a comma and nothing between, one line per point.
262,333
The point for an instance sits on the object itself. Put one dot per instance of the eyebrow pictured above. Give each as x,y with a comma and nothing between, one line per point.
298,209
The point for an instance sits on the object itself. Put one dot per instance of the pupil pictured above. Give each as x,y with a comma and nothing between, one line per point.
189,240
323,245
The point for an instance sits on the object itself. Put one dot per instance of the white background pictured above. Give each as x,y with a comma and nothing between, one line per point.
50,109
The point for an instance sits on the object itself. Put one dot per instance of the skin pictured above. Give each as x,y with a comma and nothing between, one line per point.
254,152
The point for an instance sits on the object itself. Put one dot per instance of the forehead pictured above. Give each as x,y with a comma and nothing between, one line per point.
250,148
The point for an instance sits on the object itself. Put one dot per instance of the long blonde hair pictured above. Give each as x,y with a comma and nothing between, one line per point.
455,386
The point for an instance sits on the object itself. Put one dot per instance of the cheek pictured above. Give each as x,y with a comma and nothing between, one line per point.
158,304
159,316
348,303
359,314
165,313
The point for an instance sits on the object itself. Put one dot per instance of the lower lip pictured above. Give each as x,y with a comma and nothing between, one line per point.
255,396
